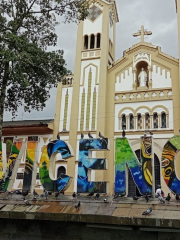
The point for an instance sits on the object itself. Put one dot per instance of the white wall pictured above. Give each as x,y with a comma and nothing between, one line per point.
124,83
160,80
95,27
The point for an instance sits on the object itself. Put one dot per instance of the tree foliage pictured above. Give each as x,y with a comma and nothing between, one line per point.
27,70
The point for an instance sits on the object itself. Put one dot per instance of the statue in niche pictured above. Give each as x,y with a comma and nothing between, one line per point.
142,78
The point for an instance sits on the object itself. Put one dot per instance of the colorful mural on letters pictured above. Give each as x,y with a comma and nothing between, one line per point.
124,155
85,163
49,151
146,158
4,182
30,155
168,164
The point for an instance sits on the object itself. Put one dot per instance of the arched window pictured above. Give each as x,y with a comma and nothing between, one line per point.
98,40
61,171
139,121
147,121
123,123
131,121
92,41
155,120
86,40
163,120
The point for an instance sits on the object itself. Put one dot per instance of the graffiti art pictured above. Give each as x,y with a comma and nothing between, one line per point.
30,156
4,181
168,164
124,155
85,163
146,158
47,157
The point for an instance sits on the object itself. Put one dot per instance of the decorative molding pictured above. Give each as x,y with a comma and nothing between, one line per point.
145,107
167,59
84,69
161,65
136,111
142,56
161,106
126,108
143,96
82,111
122,71
117,64
91,54
141,132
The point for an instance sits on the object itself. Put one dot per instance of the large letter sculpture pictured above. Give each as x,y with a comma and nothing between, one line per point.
29,164
125,156
168,164
85,163
46,166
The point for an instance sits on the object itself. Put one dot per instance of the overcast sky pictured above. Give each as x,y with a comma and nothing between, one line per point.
158,16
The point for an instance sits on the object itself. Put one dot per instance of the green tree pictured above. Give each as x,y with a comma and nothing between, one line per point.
27,70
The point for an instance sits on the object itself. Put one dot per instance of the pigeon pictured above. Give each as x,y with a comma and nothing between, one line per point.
177,197
101,136
46,195
82,135
148,211
35,194
8,194
18,192
43,195
56,195
90,194
89,135
146,198
26,202
168,198
16,139
161,199
105,200
122,195
58,137
74,195
123,133
116,196
97,195
78,205
25,193
135,198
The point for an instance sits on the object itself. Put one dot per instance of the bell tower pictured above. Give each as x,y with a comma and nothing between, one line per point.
95,51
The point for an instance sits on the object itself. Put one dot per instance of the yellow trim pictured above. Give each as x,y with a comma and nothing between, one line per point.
88,100
65,111
161,106
93,125
84,74
82,111
57,111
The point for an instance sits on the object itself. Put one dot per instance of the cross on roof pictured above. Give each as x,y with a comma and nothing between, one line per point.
142,33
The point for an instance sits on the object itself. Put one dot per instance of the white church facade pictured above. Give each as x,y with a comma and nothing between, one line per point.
138,93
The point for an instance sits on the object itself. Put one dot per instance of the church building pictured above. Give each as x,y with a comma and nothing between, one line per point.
138,94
